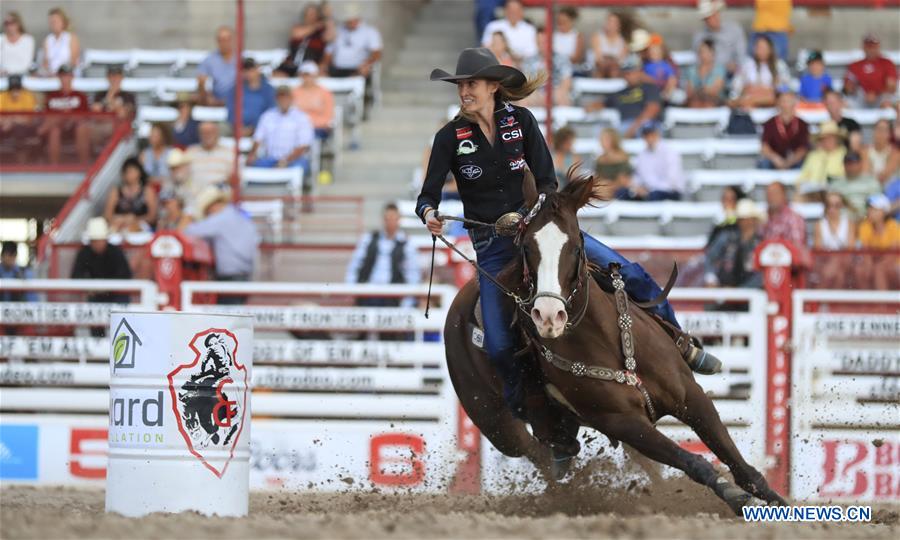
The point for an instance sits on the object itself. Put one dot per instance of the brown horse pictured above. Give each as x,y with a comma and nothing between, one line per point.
581,330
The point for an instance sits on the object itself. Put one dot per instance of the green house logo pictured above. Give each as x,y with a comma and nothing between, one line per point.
124,346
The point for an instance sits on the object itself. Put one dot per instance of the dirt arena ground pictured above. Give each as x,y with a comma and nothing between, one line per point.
676,509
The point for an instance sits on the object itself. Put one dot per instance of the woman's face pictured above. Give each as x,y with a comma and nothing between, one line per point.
833,204
475,94
563,22
881,134
705,54
498,43
761,50
606,141
131,175
875,215
310,15
10,25
56,23
612,25
156,138
729,199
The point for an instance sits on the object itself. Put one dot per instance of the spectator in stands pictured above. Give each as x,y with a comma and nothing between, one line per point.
834,232
285,133
218,66
637,103
185,129
356,47
258,97
115,100
815,81
172,214
383,257
879,232
834,104
785,138
567,40
65,101
155,158
500,48
61,47
773,20
872,81
315,100
563,153
729,257
610,46
729,199
10,269
658,69
562,75
856,186
728,36
824,163
659,175
131,207
179,180
308,40
760,76
18,128
613,166
101,260
520,34
212,163
783,223
16,46
234,239
877,155
704,82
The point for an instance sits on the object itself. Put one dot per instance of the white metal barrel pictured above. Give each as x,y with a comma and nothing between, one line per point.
179,413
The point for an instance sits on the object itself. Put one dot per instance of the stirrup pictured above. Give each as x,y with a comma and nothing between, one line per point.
703,362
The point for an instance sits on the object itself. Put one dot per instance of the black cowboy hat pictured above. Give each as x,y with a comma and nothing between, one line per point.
480,63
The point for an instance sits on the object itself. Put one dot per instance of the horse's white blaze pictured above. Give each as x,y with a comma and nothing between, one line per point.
550,241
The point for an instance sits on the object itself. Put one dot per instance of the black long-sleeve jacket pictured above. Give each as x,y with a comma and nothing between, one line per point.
489,178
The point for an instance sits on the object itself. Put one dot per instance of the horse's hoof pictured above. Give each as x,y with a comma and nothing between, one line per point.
559,467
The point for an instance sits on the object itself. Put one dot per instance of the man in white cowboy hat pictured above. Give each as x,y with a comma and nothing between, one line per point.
823,163
232,234
356,47
101,260
729,258
521,36
179,180
728,36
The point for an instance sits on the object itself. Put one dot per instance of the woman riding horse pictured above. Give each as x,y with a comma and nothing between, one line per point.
487,147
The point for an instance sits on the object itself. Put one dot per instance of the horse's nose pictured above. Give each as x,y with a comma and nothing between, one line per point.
549,318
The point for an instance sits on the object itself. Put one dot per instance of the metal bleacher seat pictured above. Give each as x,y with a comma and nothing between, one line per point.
147,63
188,60
685,58
707,185
270,214
148,115
209,114
586,90
690,218
290,177
734,153
90,85
684,123
246,143
96,61
626,218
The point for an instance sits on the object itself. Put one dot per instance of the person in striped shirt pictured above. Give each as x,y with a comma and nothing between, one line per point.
211,162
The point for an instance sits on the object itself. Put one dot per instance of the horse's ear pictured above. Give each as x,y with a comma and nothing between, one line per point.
529,189
581,188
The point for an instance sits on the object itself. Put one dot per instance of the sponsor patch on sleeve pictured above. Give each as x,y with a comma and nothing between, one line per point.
463,133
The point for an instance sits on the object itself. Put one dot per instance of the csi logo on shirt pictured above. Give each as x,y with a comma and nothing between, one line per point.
471,172
511,135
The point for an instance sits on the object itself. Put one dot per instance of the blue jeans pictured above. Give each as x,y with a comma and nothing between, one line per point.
500,342
271,163
779,42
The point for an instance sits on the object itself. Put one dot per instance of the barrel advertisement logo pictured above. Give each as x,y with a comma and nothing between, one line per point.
209,398
124,345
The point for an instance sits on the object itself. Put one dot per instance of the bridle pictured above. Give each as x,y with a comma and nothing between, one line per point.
509,225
